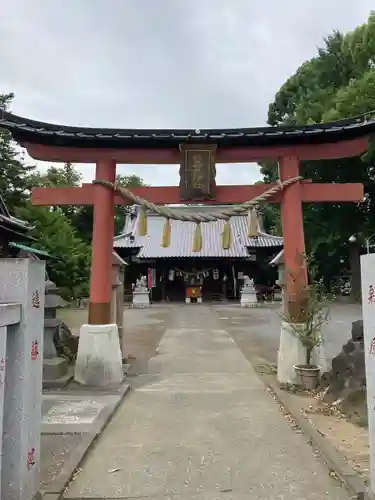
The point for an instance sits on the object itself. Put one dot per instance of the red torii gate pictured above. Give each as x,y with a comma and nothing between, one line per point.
107,147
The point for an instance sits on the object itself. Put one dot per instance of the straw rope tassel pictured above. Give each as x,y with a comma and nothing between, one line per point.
166,236
197,238
142,222
252,223
227,235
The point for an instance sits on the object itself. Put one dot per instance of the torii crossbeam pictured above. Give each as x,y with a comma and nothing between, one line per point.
106,147
290,199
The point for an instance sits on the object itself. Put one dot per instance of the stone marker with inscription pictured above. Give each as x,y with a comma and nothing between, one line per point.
22,282
368,311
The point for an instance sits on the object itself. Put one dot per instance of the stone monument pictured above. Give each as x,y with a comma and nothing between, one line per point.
368,314
248,293
21,367
55,367
141,297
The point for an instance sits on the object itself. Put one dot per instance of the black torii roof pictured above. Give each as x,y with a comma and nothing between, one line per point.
35,132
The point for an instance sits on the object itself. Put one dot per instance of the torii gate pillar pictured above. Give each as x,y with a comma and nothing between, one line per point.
295,274
102,243
99,358
293,234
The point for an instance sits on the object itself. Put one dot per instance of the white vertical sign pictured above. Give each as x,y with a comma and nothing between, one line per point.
368,311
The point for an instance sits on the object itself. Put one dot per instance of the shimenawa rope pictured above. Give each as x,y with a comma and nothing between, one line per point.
198,217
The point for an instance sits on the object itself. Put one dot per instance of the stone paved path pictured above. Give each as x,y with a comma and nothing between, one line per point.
201,426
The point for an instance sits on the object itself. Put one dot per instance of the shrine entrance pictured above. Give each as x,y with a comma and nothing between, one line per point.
197,152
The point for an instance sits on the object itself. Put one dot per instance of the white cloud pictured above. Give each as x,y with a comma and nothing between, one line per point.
160,64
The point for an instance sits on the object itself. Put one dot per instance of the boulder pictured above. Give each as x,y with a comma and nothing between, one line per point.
357,330
346,381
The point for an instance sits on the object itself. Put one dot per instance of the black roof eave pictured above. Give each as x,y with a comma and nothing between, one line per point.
24,130
12,234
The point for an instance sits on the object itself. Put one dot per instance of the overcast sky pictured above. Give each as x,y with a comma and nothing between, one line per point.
160,63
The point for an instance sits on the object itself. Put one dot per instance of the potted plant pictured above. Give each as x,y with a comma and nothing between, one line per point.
313,314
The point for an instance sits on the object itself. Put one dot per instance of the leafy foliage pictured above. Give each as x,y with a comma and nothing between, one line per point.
14,175
315,306
316,314
82,217
70,262
64,232
336,84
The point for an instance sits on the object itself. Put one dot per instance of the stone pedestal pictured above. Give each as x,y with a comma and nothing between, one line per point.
141,298
291,352
55,368
99,358
248,297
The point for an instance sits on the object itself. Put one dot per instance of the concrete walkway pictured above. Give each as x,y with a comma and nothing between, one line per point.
201,426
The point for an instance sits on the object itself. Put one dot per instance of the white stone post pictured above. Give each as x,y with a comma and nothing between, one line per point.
22,282
291,353
368,311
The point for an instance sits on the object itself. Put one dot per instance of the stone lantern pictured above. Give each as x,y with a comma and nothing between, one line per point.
55,368
278,262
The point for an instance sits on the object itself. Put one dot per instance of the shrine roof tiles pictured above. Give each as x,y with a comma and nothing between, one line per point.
26,130
182,238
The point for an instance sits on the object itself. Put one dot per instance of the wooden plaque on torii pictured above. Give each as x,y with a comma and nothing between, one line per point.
197,172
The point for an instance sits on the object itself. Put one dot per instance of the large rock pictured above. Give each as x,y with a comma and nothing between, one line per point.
346,381
357,330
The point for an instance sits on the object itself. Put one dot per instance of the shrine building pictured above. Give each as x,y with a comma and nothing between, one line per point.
172,271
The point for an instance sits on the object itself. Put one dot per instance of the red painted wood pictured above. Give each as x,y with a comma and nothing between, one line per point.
342,149
292,226
102,236
225,194
320,192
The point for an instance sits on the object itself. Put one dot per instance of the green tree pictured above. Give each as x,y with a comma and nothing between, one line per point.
14,174
83,218
70,262
336,84
66,176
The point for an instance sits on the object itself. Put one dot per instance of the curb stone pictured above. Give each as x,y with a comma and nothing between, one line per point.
56,490
350,479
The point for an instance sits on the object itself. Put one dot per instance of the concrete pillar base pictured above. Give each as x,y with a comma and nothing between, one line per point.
291,353
99,359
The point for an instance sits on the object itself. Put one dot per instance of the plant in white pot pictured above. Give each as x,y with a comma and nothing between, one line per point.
308,330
